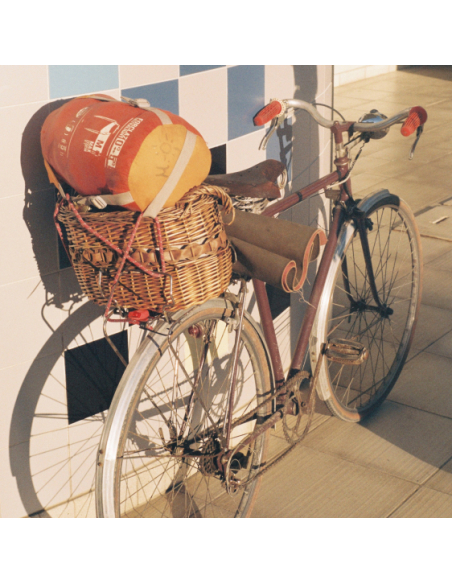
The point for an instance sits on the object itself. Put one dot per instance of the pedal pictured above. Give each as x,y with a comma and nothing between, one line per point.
346,352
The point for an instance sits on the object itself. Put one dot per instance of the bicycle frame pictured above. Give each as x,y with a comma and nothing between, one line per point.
339,214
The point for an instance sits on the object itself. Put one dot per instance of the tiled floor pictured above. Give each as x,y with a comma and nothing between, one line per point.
398,463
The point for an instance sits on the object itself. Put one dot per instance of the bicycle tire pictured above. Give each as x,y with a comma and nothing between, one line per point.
151,402
351,392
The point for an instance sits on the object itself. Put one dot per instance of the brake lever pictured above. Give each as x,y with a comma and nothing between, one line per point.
273,126
418,135
275,123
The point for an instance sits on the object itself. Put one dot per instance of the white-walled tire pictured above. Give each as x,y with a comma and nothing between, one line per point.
351,392
143,467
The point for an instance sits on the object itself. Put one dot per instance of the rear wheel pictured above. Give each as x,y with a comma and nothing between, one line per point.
164,430
348,310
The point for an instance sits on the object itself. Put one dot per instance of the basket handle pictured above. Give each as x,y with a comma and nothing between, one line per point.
226,203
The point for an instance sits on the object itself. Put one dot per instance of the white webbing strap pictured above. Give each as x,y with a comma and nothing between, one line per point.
169,186
101,201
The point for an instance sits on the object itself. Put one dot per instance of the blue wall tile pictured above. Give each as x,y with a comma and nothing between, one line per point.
189,69
67,80
163,95
246,96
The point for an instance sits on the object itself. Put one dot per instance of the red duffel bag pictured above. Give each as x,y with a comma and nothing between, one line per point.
141,158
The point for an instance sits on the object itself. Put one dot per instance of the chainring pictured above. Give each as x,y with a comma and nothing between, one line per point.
296,426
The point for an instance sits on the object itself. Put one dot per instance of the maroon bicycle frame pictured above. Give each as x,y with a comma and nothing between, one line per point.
342,164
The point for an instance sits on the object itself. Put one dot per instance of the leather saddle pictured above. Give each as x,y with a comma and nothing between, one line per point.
259,181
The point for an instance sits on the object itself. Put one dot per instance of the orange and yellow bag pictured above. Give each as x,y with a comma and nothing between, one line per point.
141,158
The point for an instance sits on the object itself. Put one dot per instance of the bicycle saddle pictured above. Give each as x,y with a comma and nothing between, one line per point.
259,181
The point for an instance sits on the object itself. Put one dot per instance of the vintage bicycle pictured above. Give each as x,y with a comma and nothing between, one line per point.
188,429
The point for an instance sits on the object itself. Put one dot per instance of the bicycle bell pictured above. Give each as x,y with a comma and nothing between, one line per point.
373,117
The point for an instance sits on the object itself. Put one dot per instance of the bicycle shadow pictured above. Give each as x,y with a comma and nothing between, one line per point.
33,453
24,416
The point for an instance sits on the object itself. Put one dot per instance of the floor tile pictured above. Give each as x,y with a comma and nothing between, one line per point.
426,503
404,442
434,249
417,195
439,282
442,479
436,222
309,483
425,384
433,324
442,347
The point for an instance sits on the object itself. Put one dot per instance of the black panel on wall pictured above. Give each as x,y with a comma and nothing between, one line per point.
93,372
63,259
278,299
218,160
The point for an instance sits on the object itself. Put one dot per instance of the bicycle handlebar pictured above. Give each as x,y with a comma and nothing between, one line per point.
414,117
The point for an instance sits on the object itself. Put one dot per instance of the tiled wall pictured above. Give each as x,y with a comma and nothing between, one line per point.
348,73
47,463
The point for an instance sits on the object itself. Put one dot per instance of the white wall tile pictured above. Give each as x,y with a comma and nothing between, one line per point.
49,468
84,438
83,320
32,400
35,475
203,102
20,150
135,75
85,506
244,152
279,82
43,461
21,243
344,74
30,321
23,84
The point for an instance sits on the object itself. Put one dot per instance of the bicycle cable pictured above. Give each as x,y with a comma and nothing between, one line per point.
329,107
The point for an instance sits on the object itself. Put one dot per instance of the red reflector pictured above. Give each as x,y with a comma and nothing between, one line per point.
138,316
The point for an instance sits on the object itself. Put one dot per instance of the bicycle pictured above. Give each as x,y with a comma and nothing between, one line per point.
187,432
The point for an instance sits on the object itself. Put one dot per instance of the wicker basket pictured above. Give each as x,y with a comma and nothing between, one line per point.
197,255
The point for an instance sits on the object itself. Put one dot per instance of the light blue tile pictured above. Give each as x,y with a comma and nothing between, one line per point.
246,96
67,80
189,69
163,95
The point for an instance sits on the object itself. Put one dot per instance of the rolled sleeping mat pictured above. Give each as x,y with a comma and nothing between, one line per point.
255,262
273,250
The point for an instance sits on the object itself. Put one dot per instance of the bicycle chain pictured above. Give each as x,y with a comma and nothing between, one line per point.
293,391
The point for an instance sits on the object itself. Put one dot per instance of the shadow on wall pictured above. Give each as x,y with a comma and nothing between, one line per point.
38,212
22,460
89,384
299,150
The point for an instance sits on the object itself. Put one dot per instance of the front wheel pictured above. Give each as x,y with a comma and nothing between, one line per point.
348,310
164,434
